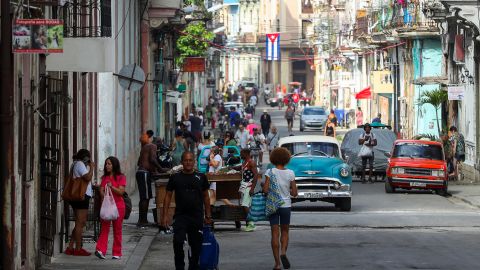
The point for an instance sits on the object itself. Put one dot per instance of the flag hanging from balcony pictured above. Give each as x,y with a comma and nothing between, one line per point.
273,47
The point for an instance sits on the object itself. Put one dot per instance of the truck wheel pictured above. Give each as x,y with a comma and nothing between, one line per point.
388,187
345,204
443,191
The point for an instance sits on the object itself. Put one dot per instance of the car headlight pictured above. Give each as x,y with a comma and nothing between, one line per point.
344,187
438,173
398,170
344,172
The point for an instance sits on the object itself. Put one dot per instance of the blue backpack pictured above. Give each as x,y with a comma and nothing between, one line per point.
210,253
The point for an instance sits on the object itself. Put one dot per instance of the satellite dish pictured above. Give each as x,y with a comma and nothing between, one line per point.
131,77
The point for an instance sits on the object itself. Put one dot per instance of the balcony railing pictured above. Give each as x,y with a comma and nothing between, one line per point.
87,18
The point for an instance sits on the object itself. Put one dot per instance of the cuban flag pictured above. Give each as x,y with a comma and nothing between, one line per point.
273,47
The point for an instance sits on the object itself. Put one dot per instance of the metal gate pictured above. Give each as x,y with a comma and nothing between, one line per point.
50,112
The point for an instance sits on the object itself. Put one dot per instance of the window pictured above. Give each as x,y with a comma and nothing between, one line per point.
418,150
87,18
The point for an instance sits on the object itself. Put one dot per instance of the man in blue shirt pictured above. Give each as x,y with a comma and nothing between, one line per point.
377,119
233,116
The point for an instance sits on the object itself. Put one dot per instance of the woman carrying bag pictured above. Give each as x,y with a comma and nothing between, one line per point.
115,181
78,191
279,183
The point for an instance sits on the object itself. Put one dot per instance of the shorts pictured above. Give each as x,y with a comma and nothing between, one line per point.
370,161
460,157
282,216
144,184
81,204
289,121
213,186
245,198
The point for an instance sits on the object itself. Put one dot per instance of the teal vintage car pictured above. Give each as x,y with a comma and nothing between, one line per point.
320,172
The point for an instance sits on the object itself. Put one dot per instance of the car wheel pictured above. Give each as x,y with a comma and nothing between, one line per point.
443,191
345,204
388,186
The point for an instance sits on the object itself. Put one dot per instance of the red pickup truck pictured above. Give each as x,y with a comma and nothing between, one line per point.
417,164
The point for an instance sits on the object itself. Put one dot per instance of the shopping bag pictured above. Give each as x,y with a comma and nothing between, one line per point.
365,151
109,210
257,209
210,254
274,200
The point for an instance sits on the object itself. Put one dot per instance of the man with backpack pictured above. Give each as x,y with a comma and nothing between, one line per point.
290,116
367,140
458,146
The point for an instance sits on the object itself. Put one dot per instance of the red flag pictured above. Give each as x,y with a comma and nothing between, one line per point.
364,94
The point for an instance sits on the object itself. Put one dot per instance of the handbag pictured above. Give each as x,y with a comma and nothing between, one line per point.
109,210
365,151
257,209
75,188
128,205
274,200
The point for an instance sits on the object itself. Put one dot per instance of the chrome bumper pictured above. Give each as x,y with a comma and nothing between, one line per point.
308,190
413,180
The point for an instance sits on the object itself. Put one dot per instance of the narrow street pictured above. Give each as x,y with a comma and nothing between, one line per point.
405,230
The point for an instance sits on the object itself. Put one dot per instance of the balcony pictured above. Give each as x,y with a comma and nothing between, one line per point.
166,4
81,19
163,9
427,28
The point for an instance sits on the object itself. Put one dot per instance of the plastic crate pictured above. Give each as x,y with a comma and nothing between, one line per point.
228,212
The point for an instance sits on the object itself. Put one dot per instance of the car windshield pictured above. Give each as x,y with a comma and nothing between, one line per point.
313,148
418,150
311,111
250,85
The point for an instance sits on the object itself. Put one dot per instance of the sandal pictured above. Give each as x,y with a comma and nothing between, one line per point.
285,262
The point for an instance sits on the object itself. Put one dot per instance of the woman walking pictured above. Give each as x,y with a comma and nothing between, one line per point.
82,170
247,186
330,129
116,181
280,220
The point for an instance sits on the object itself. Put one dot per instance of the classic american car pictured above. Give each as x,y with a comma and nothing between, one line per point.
417,164
320,172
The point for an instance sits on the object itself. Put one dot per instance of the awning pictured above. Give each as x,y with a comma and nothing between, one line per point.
364,94
442,80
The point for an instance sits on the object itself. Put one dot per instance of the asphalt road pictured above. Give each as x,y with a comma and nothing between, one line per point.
409,230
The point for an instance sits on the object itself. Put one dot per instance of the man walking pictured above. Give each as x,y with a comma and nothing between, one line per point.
458,146
290,115
265,122
368,141
377,119
272,139
242,136
191,199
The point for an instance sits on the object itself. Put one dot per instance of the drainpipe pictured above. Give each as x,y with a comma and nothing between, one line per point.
396,94
7,203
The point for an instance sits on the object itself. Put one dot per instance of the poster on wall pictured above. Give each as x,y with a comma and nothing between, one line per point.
456,92
37,36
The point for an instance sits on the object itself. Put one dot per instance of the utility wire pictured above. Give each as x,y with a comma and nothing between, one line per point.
124,19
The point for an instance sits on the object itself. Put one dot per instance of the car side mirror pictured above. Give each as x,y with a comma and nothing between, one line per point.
388,154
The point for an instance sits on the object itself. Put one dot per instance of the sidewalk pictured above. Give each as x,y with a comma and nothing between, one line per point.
466,191
136,243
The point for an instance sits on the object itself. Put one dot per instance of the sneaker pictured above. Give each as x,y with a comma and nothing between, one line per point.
81,252
116,257
68,251
250,227
99,254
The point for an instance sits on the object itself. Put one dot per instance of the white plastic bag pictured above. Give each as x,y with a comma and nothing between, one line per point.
109,210
365,151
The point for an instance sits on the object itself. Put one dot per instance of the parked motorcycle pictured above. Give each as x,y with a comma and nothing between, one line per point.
164,156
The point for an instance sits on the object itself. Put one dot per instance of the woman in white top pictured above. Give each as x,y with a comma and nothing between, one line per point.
82,170
216,162
280,220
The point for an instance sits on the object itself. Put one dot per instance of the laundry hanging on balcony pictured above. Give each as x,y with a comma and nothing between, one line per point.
364,94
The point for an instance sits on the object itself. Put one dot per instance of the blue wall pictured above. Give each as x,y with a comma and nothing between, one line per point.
427,62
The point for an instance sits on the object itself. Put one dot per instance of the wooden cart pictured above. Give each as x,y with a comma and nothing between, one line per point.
227,188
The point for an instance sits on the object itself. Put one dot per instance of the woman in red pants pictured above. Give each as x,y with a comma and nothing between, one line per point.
114,179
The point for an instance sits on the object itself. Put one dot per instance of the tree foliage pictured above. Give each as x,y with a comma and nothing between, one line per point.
194,41
435,98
